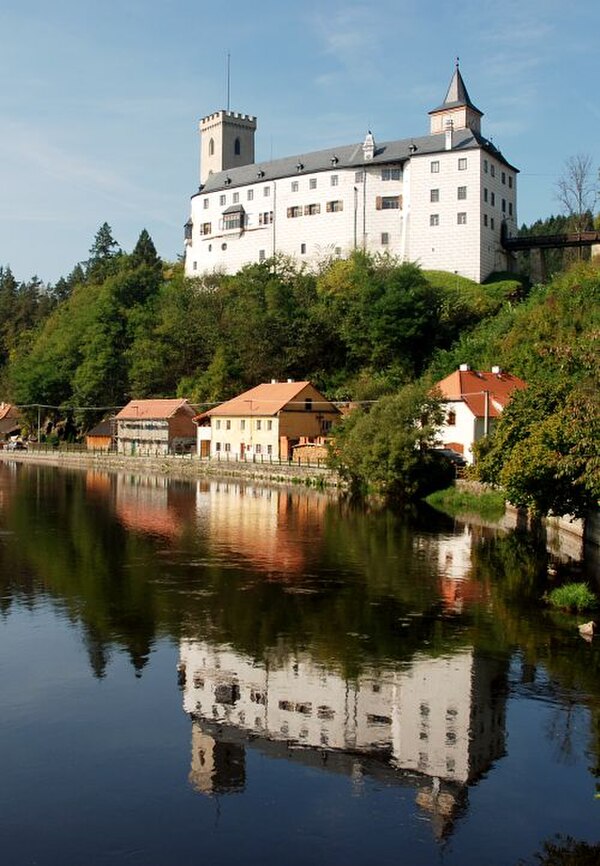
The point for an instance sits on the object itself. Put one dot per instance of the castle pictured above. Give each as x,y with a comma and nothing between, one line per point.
442,200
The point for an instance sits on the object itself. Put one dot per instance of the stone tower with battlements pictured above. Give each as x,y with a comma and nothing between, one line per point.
226,141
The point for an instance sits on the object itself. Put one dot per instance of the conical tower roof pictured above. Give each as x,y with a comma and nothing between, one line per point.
457,95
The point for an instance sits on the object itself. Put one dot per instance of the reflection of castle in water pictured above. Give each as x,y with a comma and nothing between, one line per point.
435,725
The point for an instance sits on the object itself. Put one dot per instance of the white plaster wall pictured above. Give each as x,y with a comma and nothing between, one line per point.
463,432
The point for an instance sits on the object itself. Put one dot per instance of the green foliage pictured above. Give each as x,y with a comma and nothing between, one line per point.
387,450
489,504
573,596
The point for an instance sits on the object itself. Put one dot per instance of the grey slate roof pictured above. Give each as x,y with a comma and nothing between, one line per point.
346,156
457,95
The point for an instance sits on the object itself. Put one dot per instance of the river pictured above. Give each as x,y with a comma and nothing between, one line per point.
212,672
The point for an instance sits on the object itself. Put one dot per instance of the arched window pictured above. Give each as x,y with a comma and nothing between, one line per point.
211,147
237,147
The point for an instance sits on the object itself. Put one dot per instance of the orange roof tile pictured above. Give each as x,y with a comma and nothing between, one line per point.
266,399
153,409
470,386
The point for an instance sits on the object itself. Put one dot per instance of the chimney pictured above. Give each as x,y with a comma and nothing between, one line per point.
497,371
273,381
449,131
290,381
464,368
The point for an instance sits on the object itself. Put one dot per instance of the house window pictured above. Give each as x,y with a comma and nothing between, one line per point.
434,219
261,255
269,425
295,186
236,198
435,166
503,177
461,192
222,200
217,446
359,176
250,195
312,209
462,163
227,446
461,218
237,148
258,424
258,448
434,195
385,239
294,211
334,179
485,193
205,228
493,170
451,418
243,424
228,424
388,202
302,249
334,206
308,404
390,174
269,449
312,183
205,203
267,191
218,424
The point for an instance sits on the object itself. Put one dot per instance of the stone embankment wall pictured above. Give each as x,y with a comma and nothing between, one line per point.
181,466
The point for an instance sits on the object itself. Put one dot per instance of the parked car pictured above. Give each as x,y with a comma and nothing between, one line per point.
451,455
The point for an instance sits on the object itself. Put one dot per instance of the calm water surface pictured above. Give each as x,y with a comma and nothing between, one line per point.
211,673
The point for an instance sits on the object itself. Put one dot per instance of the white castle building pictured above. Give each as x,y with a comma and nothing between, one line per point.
442,200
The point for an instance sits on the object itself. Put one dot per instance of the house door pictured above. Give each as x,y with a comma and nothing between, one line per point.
242,450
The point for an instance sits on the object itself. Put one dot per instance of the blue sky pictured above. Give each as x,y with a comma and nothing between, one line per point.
100,102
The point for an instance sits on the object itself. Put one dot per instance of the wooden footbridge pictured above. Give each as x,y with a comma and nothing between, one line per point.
536,245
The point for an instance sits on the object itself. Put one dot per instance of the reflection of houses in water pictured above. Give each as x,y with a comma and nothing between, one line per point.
435,725
154,504
272,529
457,586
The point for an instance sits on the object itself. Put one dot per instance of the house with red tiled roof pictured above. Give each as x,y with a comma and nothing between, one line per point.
10,420
266,422
156,427
474,400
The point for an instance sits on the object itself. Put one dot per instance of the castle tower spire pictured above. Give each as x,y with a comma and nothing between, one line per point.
457,107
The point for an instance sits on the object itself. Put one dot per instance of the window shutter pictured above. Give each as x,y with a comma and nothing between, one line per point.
378,204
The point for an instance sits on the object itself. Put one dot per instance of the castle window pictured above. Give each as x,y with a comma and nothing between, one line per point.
503,205
492,223
194,265
205,228
334,206
223,247
462,163
250,194
435,166
390,174
385,239
493,170
485,219
434,219
461,218
302,249
312,183
359,176
434,195
510,181
205,204
312,209
295,186
461,192
267,191
237,148
294,212
265,218
222,200
335,179
485,193
233,220
388,202
503,177
493,199
236,197
261,258
211,147
510,208
485,166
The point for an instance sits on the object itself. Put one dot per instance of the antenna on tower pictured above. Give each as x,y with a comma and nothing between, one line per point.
228,78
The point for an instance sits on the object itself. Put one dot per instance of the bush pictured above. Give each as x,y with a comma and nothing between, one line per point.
572,596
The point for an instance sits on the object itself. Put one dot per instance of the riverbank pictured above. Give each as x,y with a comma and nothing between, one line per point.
182,467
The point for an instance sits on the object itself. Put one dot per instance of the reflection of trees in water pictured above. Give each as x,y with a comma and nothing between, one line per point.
565,851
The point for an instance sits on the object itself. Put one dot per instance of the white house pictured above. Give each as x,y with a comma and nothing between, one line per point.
473,401
442,200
